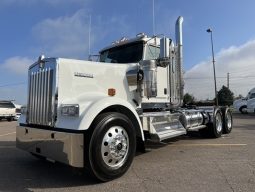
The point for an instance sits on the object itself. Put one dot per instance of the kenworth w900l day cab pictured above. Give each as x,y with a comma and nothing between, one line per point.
96,114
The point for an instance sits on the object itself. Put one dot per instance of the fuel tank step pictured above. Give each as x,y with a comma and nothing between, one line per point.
162,125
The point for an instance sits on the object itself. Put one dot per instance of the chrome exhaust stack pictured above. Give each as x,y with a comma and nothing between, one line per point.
179,59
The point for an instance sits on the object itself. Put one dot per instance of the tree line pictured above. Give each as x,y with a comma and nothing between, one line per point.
225,97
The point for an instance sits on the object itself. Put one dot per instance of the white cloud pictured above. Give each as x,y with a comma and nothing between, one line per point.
106,27
238,61
68,36
17,93
16,65
64,36
13,73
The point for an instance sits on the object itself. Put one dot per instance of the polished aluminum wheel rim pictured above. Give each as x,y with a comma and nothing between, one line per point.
218,122
114,147
229,120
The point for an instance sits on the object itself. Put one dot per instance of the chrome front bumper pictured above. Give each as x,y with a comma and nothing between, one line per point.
59,146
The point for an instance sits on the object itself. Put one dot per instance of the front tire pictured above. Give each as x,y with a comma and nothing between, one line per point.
112,146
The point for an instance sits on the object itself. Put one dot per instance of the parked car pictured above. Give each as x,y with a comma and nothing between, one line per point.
7,110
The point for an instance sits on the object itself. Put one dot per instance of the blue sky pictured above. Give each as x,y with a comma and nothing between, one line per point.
59,28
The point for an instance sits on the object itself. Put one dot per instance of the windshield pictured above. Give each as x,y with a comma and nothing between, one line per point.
6,105
129,53
252,95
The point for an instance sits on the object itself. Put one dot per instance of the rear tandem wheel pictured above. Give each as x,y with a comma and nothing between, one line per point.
227,120
214,129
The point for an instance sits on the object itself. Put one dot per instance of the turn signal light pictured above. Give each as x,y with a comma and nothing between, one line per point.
111,92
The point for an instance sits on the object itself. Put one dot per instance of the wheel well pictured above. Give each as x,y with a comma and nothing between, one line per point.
123,110
128,113
242,107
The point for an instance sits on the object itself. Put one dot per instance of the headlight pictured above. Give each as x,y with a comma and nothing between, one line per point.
70,110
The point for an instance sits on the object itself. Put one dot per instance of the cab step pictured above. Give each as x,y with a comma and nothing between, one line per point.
162,125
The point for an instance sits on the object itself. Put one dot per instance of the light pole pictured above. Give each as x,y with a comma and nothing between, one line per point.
213,61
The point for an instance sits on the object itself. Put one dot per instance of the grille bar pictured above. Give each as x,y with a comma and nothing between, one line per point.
40,97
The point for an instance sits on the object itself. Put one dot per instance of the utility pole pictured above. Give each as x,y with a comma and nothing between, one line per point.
228,80
213,61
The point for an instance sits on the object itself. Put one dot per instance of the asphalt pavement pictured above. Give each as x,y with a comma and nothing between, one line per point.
188,163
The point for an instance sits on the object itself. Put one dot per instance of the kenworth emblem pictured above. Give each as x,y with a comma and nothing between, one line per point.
87,75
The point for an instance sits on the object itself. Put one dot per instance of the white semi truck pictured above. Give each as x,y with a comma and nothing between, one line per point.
96,115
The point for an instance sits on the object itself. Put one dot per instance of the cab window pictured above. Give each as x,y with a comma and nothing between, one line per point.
129,53
6,105
252,95
151,52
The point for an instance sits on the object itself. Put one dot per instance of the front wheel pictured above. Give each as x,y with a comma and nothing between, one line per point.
112,146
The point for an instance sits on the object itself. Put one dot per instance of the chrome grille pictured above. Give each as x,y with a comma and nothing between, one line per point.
40,97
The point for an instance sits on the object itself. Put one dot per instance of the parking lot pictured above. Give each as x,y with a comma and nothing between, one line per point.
188,163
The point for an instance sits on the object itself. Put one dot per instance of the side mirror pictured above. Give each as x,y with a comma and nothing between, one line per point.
164,57
164,48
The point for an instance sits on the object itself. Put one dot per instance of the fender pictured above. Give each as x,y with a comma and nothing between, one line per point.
90,109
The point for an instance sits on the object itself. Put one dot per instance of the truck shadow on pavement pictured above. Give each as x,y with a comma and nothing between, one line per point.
20,171
192,135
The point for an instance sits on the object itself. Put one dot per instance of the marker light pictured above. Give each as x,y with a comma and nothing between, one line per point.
111,92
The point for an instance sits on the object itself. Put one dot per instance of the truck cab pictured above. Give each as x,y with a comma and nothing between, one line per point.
141,49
